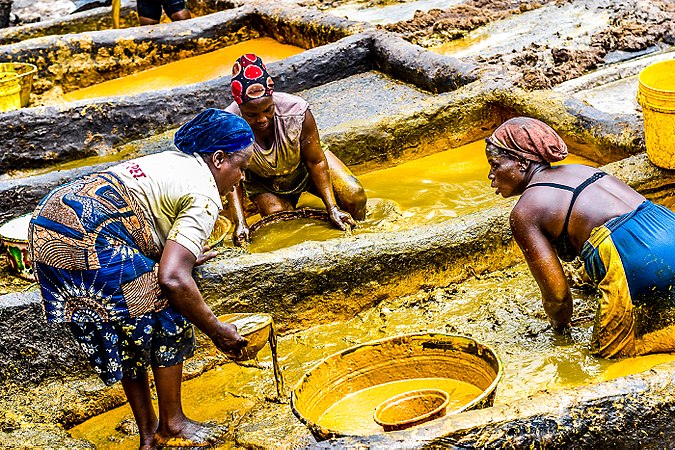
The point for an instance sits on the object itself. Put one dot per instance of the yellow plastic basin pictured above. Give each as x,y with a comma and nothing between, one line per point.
339,396
10,92
25,73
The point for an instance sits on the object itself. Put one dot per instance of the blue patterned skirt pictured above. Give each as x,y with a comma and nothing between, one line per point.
96,262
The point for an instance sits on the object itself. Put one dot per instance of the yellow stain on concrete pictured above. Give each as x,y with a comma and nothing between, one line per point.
191,70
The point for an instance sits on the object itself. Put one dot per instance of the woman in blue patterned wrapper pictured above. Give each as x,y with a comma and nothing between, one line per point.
287,155
113,254
625,242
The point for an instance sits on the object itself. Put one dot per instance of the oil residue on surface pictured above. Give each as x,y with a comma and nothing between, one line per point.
424,191
354,413
204,398
187,71
630,366
502,310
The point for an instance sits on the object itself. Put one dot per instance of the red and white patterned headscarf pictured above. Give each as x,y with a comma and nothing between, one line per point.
250,79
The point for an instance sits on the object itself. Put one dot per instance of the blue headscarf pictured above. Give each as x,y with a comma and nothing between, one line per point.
212,130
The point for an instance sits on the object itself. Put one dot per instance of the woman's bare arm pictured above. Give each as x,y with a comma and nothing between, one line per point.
544,265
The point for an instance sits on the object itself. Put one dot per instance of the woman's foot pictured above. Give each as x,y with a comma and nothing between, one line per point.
189,434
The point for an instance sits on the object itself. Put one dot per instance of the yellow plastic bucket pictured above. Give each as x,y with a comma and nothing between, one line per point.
656,95
10,92
25,72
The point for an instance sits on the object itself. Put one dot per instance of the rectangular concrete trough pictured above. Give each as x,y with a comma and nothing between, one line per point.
325,282
39,136
392,131
100,18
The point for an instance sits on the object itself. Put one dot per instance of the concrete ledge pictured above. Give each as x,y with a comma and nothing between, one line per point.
599,136
628,412
423,68
314,280
38,137
318,281
32,350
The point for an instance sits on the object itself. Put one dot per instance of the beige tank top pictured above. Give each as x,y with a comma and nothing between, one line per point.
283,157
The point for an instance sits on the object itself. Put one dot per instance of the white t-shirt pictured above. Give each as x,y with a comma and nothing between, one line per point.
178,195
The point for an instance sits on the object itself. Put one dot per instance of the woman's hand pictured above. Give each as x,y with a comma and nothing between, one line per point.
241,235
341,219
205,255
228,340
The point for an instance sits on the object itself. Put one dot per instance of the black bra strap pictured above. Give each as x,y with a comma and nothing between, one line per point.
553,185
590,180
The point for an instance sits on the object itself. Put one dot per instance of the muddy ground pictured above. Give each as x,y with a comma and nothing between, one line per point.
8,281
30,11
634,26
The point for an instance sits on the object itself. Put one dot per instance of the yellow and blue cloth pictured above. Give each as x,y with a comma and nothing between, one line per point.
631,259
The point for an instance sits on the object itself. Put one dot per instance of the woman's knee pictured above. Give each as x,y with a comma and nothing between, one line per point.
353,200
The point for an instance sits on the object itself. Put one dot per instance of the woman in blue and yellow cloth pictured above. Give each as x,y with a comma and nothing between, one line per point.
625,241
113,253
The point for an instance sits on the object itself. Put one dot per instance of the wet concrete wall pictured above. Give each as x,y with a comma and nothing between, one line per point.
325,281
32,350
599,136
98,19
74,61
625,413
38,137
420,67
321,282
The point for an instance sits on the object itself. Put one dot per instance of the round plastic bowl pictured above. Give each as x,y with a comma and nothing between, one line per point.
414,361
10,92
411,408
254,327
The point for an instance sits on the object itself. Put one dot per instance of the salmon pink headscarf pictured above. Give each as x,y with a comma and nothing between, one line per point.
530,139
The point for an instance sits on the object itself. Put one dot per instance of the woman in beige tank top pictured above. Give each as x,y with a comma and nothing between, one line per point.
287,157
